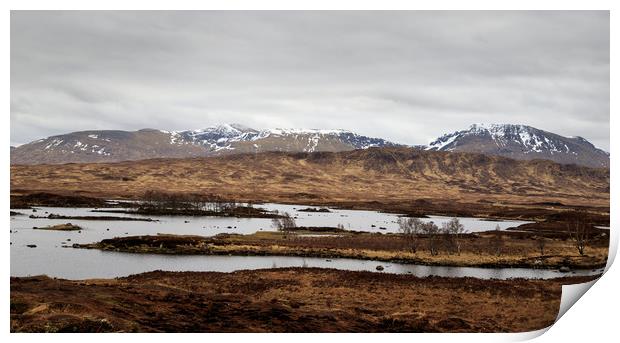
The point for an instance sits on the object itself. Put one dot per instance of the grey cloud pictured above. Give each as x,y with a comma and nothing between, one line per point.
405,76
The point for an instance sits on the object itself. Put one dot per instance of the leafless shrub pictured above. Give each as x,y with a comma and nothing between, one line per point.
159,200
452,232
285,223
541,242
431,230
580,235
277,224
497,241
410,228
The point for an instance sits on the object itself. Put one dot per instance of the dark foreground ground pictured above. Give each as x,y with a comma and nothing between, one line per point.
283,300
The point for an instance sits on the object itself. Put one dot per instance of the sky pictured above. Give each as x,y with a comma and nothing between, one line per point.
407,76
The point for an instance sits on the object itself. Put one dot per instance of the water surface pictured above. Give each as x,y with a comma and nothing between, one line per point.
51,257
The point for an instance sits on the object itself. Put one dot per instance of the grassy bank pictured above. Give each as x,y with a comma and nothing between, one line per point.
478,250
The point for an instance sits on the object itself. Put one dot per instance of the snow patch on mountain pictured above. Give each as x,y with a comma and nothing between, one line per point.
513,141
529,138
56,142
221,137
521,142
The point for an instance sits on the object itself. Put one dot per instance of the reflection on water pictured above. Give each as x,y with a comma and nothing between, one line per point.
49,257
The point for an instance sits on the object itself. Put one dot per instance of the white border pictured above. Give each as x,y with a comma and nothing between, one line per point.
593,317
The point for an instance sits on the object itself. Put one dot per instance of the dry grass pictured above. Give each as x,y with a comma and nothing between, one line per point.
477,250
60,227
280,300
381,175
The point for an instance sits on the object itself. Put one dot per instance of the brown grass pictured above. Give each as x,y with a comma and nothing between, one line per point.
60,227
477,251
282,300
385,175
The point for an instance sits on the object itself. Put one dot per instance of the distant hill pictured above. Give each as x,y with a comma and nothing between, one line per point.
374,174
522,142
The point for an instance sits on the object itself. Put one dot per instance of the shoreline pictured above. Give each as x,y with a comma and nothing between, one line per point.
492,210
269,243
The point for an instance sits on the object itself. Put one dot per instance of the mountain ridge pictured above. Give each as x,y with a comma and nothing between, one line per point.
509,140
117,145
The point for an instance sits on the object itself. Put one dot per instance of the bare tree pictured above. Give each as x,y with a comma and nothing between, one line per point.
288,222
284,223
497,241
276,223
431,230
410,228
540,244
452,231
580,235
155,200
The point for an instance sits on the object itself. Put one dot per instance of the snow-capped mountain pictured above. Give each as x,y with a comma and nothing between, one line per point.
514,141
229,136
522,142
109,146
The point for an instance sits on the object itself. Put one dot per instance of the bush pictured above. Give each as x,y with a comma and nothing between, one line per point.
497,241
410,228
431,230
154,200
285,223
580,234
540,244
452,232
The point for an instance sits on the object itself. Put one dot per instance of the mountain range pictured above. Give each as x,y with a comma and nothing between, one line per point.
514,141
114,145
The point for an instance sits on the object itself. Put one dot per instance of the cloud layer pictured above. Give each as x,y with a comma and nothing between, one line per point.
404,76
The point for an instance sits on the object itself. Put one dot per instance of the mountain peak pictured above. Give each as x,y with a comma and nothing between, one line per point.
223,128
494,127
521,142
282,131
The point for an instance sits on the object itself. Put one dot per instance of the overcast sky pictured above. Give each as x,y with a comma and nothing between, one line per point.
405,76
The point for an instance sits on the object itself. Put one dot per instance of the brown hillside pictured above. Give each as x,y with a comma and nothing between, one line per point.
376,174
